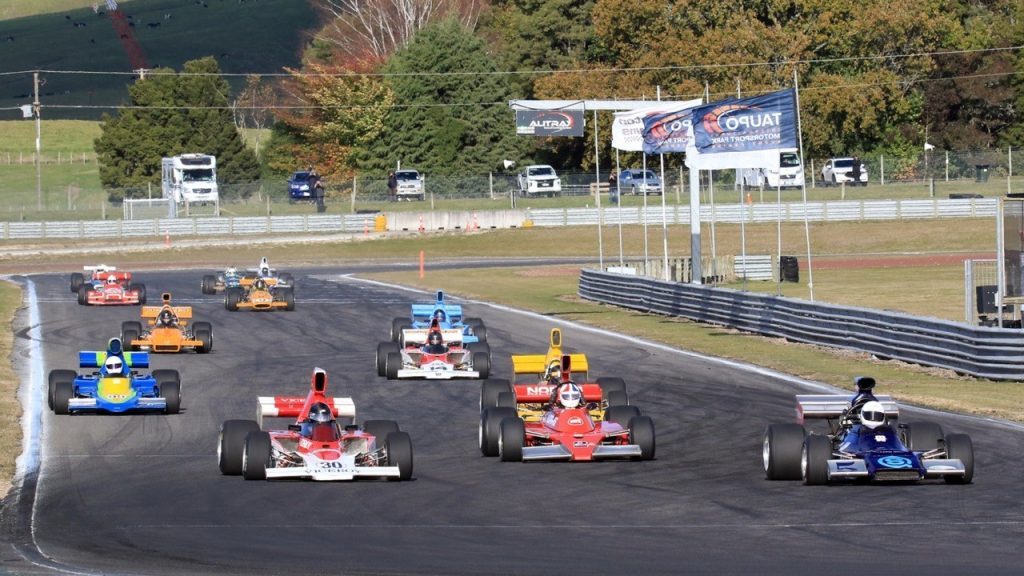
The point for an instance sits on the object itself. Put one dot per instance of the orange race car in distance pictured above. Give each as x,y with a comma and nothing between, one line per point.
260,294
167,330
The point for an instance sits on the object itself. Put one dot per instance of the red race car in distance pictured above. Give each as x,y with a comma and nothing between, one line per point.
105,286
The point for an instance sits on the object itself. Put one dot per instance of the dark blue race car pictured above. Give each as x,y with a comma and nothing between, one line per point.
115,385
863,442
447,315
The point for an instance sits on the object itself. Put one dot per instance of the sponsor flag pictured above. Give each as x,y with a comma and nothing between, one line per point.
743,132
667,131
549,122
628,126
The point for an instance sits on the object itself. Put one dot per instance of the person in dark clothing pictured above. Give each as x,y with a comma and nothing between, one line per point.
855,171
392,186
317,186
613,190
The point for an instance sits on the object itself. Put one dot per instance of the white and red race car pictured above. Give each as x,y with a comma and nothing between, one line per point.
324,444
433,353
106,285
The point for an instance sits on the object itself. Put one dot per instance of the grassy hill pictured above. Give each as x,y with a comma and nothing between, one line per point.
252,36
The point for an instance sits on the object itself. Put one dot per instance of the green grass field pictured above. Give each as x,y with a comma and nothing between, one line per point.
10,407
11,9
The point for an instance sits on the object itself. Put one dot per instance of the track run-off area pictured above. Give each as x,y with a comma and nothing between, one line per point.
142,494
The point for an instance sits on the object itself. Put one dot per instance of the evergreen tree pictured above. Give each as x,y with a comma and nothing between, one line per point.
173,114
451,114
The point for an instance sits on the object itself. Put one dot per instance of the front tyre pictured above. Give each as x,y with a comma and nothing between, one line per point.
814,459
641,433
781,451
959,447
511,436
231,447
256,456
399,449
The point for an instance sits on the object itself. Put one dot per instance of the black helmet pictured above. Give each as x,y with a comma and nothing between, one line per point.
320,412
434,339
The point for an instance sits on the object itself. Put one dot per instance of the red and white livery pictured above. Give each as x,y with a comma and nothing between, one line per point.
323,444
105,285
433,353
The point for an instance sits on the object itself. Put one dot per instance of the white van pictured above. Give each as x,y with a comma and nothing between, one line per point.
789,175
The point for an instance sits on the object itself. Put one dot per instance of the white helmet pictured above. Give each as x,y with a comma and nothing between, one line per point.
570,395
113,365
872,415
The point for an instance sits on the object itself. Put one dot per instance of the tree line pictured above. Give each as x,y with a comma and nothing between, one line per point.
428,85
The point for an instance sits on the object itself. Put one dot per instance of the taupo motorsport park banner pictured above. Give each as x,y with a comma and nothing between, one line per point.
734,133
549,122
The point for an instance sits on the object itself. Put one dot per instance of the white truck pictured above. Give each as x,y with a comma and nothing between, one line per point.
190,178
410,185
789,175
539,180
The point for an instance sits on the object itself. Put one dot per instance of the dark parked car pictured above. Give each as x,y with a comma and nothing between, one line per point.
301,187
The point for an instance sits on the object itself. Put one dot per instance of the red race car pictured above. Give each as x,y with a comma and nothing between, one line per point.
105,285
563,420
324,443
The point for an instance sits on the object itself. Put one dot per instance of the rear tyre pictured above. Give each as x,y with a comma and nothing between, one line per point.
209,284
287,279
83,294
481,347
141,288
289,299
641,433
482,364
130,331
781,451
53,378
392,365
617,398
380,429
397,325
922,436
63,392
621,415
611,384
490,390
203,331
231,448
383,349
511,435
76,281
256,456
169,384
490,428
399,449
960,447
506,400
814,459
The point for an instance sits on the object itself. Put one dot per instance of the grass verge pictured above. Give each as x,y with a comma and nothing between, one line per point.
10,407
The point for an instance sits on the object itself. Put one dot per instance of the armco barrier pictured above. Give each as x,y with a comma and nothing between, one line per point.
993,353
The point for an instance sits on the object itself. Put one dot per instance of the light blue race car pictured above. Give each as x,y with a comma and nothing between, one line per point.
447,315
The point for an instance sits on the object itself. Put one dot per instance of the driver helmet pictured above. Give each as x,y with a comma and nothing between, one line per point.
570,395
166,317
555,372
260,284
113,365
439,316
111,280
434,339
265,271
872,415
320,412
231,271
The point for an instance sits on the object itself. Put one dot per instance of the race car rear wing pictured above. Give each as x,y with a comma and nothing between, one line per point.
96,359
538,364
99,268
182,312
418,336
823,406
541,392
292,406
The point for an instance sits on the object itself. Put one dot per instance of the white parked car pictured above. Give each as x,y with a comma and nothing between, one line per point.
410,185
840,170
539,180
789,175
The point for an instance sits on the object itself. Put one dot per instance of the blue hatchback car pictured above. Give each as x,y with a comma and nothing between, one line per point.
300,187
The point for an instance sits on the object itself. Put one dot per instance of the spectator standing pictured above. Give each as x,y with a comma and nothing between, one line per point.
392,186
613,188
855,171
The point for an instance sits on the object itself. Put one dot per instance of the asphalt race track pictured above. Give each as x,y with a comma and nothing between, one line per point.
142,494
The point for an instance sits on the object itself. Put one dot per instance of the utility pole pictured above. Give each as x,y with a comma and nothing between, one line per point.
35,109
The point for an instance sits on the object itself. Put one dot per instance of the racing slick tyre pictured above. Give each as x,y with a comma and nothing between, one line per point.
231,447
83,294
617,398
256,456
511,436
506,400
641,433
490,428
63,392
76,281
209,284
171,391
477,325
609,384
482,347
781,451
130,331
288,297
287,279
482,363
814,459
203,331
392,365
380,429
232,297
621,415
383,349
922,436
960,447
397,325
399,448
141,288
491,389
53,378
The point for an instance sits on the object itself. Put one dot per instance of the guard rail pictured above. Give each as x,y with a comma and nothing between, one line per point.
992,353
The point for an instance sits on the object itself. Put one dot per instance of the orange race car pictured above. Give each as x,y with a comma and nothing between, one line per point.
167,330
260,294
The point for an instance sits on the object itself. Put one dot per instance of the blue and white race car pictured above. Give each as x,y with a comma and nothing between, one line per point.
115,385
863,442
448,316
